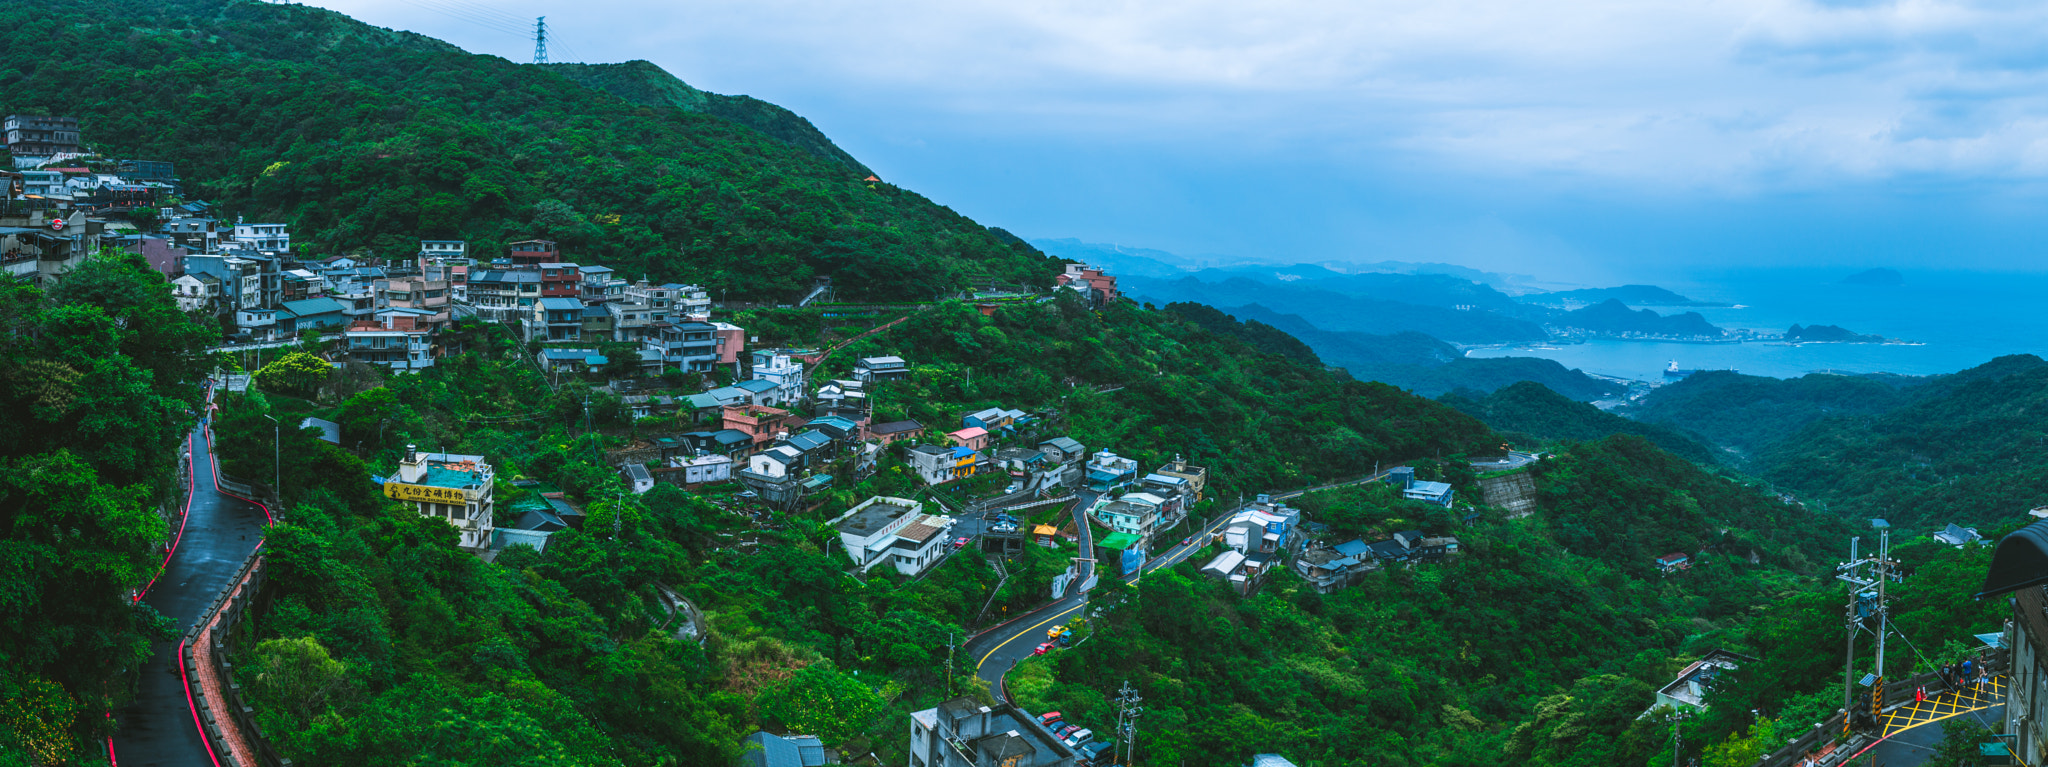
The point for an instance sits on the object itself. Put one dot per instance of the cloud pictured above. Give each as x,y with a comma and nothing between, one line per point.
1732,97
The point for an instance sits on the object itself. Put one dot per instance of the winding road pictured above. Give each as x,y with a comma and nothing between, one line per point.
218,532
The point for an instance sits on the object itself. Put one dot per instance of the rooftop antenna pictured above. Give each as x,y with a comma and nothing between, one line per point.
540,40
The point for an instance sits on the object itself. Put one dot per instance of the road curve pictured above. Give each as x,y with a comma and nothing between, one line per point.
217,534
996,650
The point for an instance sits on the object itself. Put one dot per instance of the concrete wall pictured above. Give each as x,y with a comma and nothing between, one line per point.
1513,493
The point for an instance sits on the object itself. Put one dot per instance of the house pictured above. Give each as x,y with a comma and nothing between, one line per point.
561,280
764,750
1438,493
1389,551
972,437
1673,562
692,347
399,339
599,286
565,360
1957,536
1107,470
1690,688
535,252
1020,461
415,293
193,293
991,419
704,468
1265,527
1244,572
963,733
895,430
811,442
778,368
763,392
933,463
1332,568
1197,477
265,238
1099,288
775,474
836,427
636,477
555,319
872,369
36,139
1176,494
892,530
1400,476
503,295
721,442
597,325
1128,515
1435,548
764,424
1063,450
315,314
444,248
454,488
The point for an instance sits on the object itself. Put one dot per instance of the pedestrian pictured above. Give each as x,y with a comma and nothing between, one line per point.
1984,678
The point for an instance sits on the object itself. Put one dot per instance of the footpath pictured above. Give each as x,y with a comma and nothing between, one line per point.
211,547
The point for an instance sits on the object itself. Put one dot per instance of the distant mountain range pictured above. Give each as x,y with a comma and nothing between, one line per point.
1633,295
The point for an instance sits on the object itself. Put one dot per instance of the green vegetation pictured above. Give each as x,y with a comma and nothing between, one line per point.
1533,414
1613,316
435,142
99,392
1746,414
1543,641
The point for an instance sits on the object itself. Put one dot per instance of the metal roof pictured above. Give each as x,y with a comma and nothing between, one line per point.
2020,561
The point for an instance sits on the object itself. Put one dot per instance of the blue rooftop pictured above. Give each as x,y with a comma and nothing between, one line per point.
440,477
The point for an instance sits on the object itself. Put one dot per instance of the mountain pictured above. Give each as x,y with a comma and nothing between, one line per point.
1529,408
1335,311
1747,414
642,82
1633,295
1118,260
1614,317
1830,334
363,138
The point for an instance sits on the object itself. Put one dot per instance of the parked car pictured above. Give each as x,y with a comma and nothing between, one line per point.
1094,753
1046,719
960,543
1076,739
1066,730
1043,648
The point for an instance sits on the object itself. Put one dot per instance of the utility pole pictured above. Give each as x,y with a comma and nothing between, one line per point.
949,665
540,40
1865,576
1127,701
276,457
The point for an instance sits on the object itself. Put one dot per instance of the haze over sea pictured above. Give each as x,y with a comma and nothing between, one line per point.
1960,318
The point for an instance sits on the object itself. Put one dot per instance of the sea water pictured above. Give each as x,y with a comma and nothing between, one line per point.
1953,320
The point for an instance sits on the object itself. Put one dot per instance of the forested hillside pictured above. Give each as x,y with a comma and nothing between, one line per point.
1747,414
100,385
366,138
1534,414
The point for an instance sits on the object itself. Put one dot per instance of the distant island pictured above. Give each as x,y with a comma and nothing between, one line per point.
1633,295
1830,334
1612,318
1876,277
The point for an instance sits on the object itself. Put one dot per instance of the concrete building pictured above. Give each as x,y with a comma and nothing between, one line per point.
36,139
399,339
892,530
964,733
1099,288
534,252
264,238
1689,690
704,469
1438,493
777,367
2019,568
1107,470
455,488
871,369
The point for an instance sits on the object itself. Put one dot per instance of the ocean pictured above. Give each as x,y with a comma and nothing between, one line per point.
1957,319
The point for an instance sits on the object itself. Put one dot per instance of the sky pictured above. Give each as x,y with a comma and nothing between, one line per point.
1581,142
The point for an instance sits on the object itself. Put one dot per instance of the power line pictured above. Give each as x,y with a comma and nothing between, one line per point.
458,13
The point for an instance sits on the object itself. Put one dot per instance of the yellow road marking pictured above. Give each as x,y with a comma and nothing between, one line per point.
999,645
1944,706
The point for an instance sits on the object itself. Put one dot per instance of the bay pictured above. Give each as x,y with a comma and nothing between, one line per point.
1958,319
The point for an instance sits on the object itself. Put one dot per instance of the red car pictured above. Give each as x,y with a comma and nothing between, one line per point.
1048,718
960,543
1043,649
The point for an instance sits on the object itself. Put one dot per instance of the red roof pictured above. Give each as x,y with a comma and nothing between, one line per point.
871,178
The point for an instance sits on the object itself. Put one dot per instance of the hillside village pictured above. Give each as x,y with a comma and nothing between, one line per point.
757,427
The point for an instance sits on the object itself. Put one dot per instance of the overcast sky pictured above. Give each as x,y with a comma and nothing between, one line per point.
1582,141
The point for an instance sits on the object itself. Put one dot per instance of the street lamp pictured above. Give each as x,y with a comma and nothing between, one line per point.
276,458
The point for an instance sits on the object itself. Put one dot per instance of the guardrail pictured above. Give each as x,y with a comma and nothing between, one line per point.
1896,692
204,652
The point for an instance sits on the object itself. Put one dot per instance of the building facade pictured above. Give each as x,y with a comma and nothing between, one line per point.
455,488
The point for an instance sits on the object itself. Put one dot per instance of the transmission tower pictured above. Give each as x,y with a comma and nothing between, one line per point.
1867,577
540,40
1127,701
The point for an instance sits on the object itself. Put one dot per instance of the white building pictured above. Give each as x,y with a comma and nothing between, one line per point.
190,293
268,238
705,468
455,488
893,530
787,374
637,478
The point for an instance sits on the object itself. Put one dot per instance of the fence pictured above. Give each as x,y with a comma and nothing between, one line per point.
233,732
1896,692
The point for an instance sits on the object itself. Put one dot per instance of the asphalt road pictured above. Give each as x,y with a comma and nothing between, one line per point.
998,649
218,533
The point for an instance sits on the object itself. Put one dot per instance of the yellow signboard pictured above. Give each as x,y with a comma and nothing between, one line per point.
430,494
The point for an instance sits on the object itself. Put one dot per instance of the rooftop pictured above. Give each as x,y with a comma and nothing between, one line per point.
875,514
896,427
